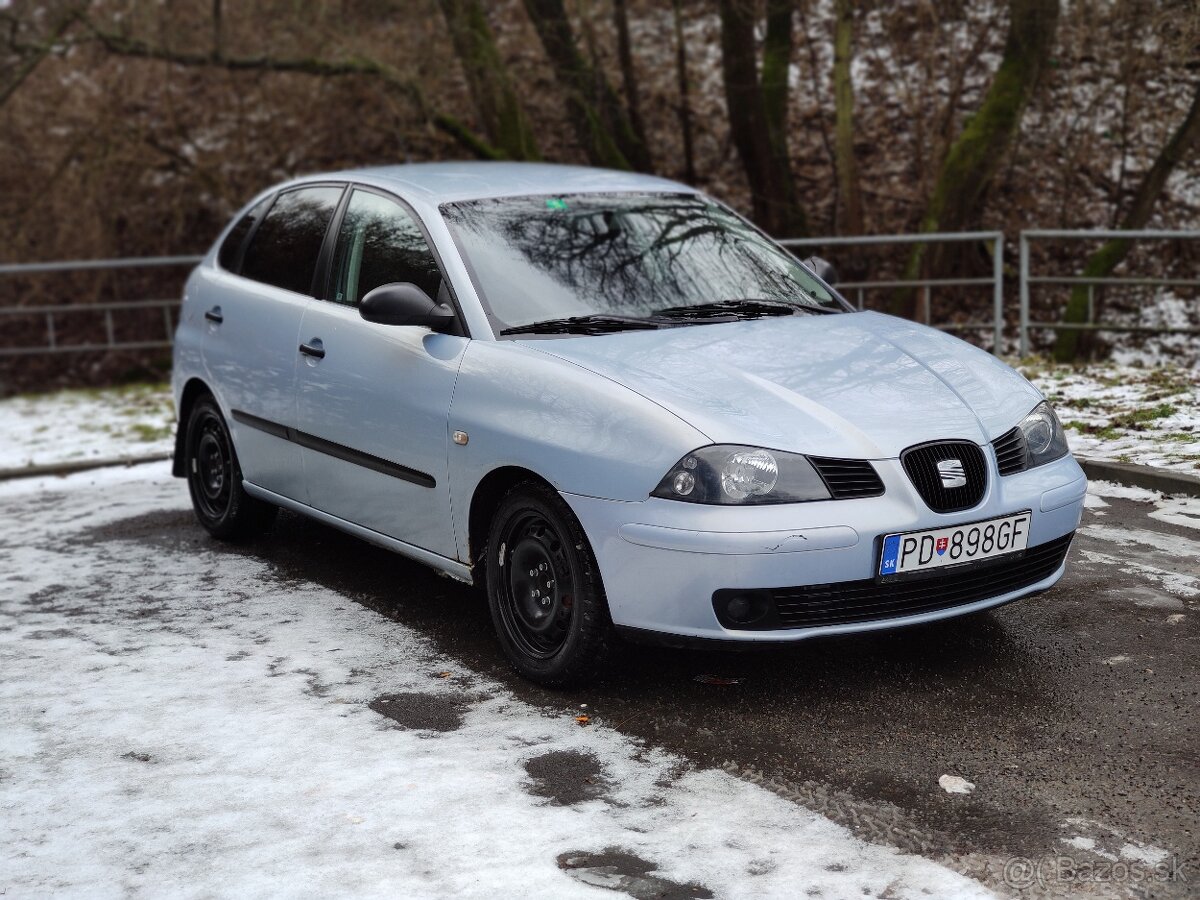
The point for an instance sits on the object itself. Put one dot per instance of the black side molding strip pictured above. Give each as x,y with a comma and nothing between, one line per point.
280,431
338,451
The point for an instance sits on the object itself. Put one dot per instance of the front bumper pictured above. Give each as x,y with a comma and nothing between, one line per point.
662,560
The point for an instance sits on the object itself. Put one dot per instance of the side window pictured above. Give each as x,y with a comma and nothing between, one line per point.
284,250
380,243
231,248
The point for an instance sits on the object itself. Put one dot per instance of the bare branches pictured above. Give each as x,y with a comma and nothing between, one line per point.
120,45
34,54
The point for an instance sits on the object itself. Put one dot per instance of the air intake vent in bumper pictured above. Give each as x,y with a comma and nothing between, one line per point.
848,479
1010,451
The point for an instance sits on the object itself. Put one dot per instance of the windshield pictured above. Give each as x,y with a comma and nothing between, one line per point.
629,255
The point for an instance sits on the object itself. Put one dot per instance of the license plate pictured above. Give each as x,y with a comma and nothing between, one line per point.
919,551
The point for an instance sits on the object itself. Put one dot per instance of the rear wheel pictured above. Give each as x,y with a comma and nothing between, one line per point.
215,479
544,589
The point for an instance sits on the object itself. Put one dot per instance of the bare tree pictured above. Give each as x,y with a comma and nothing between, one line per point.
1071,342
629,79
684,108
491,86
758,110
976,156
850,220
602,124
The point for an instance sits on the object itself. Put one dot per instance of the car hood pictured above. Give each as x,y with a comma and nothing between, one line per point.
856,385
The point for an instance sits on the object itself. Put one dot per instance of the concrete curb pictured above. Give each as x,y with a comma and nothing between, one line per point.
82,465
1148,477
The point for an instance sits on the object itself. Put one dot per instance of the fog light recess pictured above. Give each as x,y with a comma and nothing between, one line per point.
743,609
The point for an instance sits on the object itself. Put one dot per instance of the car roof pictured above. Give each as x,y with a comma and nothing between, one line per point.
441,182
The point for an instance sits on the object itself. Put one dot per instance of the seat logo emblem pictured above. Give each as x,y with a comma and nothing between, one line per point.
952,473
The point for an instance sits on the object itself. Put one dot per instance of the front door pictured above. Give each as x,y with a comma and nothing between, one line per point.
374,405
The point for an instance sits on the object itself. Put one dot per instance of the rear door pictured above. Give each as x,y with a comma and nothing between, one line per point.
374,408
253,310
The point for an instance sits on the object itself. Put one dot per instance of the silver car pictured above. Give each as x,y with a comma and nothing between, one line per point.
612,402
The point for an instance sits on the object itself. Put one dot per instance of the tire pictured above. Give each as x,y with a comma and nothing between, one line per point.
544,589
215,479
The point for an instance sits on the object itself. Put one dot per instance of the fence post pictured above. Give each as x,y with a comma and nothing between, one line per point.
998,294
1023,342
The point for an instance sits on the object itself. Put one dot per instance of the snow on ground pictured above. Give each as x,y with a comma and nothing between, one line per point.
1148,416
71,426
1170,561
179,720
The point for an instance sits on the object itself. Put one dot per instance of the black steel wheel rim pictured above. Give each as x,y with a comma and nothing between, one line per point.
537,599
212,467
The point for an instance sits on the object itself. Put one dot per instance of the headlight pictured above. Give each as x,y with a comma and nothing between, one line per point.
1045,440
738,476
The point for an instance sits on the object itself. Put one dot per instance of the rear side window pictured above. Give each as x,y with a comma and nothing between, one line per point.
230,254
380,243
284,250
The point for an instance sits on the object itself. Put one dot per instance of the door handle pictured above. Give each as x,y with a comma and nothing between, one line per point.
214,315
313,348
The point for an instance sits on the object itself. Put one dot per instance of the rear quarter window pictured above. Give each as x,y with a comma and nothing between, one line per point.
284,249
230,255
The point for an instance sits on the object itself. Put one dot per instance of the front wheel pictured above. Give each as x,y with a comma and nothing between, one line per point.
544,589
215,479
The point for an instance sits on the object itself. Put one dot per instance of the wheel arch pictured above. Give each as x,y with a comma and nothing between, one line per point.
192,391
485,500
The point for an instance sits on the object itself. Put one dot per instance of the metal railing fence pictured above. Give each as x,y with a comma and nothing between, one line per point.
926,285
1026,280
112,311
109,310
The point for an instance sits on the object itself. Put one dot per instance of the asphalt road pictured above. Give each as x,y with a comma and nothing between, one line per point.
1074,713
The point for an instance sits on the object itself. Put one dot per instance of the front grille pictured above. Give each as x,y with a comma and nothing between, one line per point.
848,602
921,464
848,479
1010,451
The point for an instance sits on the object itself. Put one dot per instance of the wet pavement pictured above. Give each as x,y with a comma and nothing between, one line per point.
1073,713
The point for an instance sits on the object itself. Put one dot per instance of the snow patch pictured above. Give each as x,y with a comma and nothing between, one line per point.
73,426
180,720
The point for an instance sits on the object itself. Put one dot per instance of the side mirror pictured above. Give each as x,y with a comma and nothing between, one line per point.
403,303
823,269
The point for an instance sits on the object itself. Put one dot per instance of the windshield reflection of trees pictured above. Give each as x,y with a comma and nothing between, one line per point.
637,257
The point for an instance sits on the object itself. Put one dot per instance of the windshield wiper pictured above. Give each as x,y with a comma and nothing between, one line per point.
743,308
593,324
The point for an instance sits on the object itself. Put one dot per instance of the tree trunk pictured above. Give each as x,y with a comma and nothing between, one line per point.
976,156
849,196
758,111
1072,343
500,112
776,63
685,108
602,125
628,73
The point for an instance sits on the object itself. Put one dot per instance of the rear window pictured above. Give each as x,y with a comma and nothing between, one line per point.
230,254
284,250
